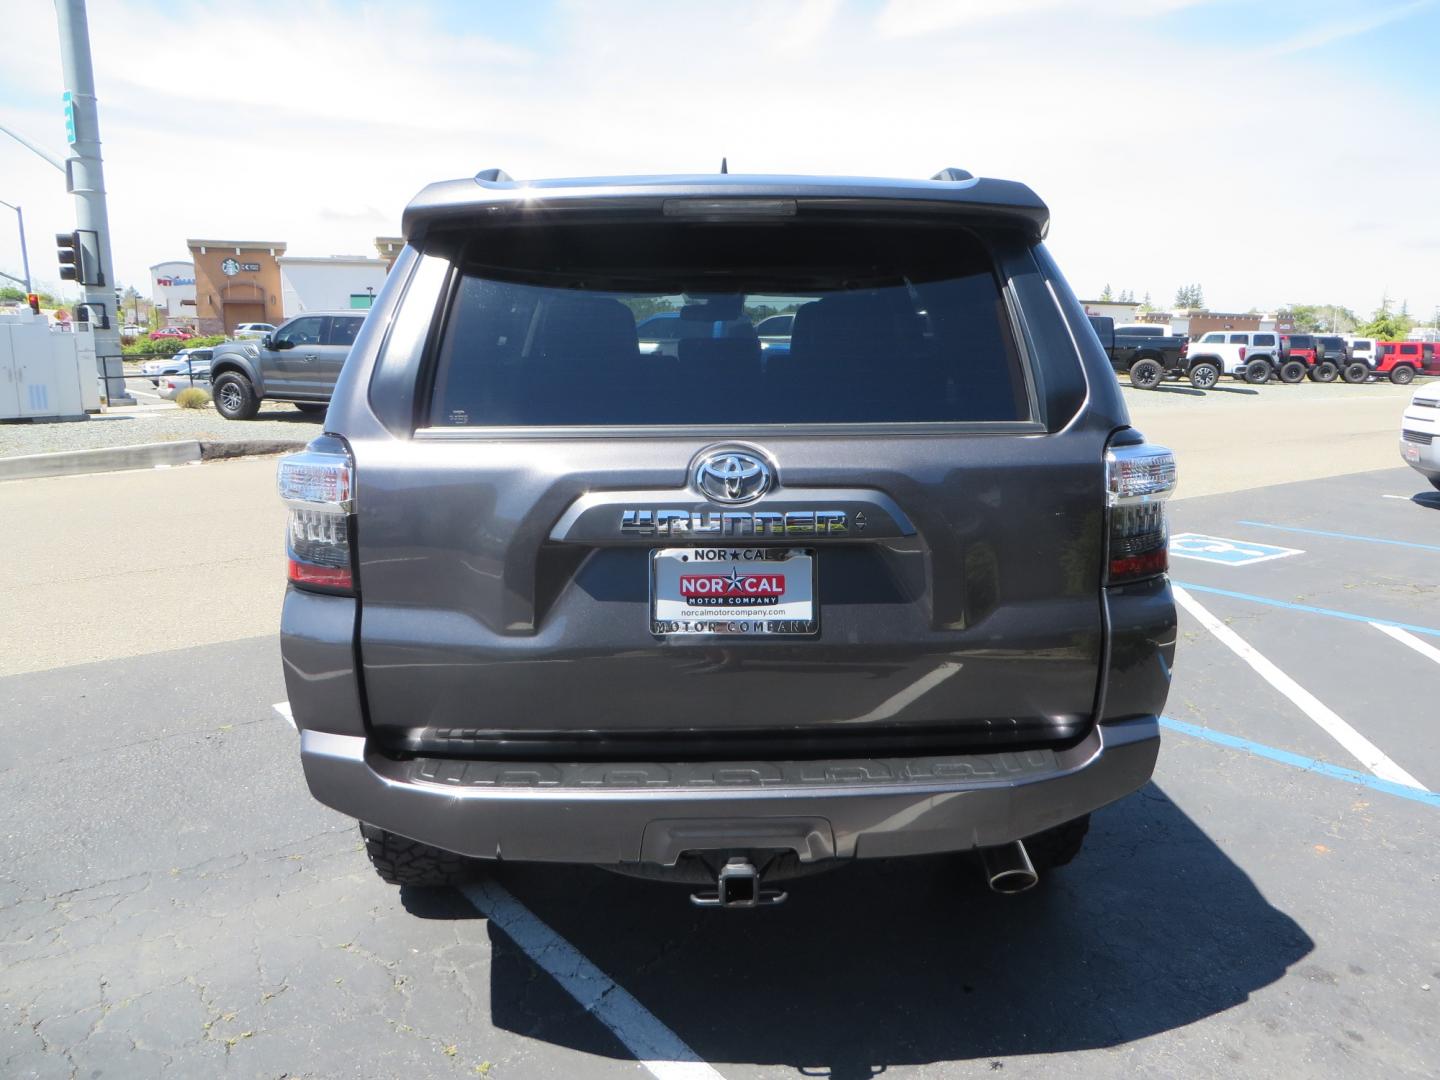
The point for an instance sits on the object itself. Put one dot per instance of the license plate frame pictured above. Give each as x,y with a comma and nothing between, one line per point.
738,610
1412,451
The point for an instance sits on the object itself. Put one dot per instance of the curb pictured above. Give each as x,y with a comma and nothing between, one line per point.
144,456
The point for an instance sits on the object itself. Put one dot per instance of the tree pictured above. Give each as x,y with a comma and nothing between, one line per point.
1387,325
1105,294
1127,297
1190,296
1145,305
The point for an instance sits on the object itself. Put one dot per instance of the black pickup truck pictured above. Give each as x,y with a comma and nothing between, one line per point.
1149,355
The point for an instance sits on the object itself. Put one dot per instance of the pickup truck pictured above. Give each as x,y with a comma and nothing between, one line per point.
298,363
1229,358
1147,354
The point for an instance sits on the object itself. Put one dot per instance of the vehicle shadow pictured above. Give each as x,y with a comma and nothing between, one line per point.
1428,499
1192,391
913,961
291,416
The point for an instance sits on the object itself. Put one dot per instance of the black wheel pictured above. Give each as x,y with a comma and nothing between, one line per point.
234,397
1204,375
1057,846
1292,371
1325,371
1355,372
1402,375
399,861
311,406
1146,374
1257,372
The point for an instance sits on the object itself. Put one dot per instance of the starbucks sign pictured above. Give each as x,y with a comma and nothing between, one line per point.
231,267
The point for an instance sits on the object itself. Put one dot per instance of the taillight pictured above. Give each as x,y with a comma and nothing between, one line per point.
1242,352
318,486
1138,480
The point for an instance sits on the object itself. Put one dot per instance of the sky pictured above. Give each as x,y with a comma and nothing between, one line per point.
1272,152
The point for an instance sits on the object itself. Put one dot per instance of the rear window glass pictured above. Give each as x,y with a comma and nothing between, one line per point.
1139,331
657,324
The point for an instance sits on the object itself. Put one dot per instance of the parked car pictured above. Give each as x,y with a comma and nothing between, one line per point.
1260,345
299,362
130,331
774,334
1420,433
1401,361
1299,355
247,330
600,628
1333,355
1148,355
175,332
1363,350
179,364
171,385
1231,359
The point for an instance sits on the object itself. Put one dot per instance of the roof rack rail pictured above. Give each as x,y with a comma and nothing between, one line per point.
952,174
494,176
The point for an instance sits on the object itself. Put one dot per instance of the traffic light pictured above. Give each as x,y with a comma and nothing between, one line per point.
78,253
34,301
67,250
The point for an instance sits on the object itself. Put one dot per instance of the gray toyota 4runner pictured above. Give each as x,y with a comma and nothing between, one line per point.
731,613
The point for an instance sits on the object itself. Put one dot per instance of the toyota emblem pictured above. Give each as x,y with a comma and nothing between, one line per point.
732,476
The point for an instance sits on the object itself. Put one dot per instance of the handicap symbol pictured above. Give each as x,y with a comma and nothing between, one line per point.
1226,552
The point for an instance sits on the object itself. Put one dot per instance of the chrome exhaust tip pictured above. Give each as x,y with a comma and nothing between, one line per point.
1008,869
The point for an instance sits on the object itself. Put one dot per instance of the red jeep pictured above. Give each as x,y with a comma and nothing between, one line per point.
1403,360
1297,350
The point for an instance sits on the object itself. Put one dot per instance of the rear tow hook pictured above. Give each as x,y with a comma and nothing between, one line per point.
738,886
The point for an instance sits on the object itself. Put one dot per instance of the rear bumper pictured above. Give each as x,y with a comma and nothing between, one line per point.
608,813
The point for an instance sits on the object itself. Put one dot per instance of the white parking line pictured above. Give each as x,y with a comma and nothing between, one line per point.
1368,754
662,1053
283,708
1423,648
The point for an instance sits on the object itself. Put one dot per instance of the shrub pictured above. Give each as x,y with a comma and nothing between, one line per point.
192,397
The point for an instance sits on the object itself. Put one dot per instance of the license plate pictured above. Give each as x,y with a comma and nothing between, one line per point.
755,591
1412,452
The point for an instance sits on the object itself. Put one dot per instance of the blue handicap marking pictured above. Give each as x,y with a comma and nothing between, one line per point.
1226,552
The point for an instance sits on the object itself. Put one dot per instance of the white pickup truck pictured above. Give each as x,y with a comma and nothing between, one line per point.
1229,358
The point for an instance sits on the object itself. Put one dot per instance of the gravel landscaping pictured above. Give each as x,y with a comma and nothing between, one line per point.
130,426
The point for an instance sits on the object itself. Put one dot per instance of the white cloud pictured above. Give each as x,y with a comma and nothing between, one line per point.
1339,29
316,129
904,18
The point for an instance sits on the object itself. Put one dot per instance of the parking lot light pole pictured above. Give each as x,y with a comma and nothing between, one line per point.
24,255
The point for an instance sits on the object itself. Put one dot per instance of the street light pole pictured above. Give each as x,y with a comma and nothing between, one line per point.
86,180
24,254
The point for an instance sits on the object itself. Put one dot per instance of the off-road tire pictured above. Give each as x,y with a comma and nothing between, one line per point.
234,397
1292,372
1402,374
1057,846
399,861
1257,372
1146,374
1204,375
1325,371
311,406
1355,372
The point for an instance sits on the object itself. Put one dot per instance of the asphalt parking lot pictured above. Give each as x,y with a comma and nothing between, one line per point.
173,903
